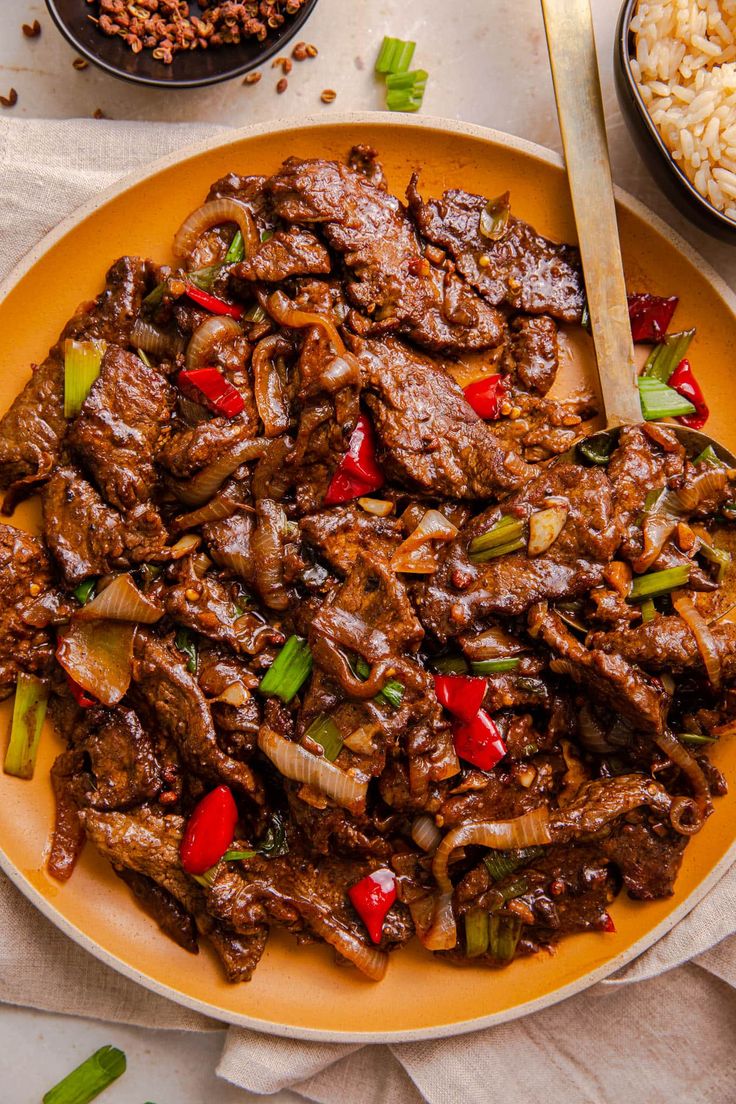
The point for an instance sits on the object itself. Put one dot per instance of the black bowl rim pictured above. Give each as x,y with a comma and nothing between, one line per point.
622,42
270,47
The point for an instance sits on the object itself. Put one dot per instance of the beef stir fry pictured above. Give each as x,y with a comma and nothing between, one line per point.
333,642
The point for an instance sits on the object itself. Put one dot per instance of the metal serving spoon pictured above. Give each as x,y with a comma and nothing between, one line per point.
571,44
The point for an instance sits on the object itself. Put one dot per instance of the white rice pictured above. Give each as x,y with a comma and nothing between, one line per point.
685,67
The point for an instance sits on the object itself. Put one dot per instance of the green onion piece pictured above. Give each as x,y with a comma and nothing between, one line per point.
149,573
502,863
507,530
274,843
236,252
395,56
266,235
208,878
233,856
393,691
652,498
717,556
503,936
87,1081
289,671
186,645
502,550
598,449
154,298
255,314
494,666
502,894
204,278
476,933
144,357
407,82
450,665
656,583
82,360
709,456
494,218
325,732
665,357
29,710
85,590
404,101
648,610
660,401
695,738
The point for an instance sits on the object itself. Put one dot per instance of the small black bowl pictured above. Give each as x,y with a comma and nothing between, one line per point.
189,68
651,146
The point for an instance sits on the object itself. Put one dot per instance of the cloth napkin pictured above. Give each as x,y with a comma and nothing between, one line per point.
669,1037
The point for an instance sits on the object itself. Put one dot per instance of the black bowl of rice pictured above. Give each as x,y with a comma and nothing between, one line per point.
675,69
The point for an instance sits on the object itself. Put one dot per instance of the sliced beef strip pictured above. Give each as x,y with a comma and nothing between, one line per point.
171,917
32,429
649,863
668,644
609,678
543,427
118,765
25,577
636,467
428,434
335,831
211,607
341,533
370,228
461,595
229,543
117,431
523,269
171,693
190,449
532,354
68,835
364,159
236,725
291,252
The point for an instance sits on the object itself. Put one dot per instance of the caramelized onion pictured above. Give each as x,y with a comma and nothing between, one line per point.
301,766
201,487
267,388
283,311
591,732
98,655
214,213
205,337
657,528
217,509
545,527
151,339
425,833
668,743
184,546
706,484
268,552
530,830
121,601
416,554
704,638
369,960
442,933
342,371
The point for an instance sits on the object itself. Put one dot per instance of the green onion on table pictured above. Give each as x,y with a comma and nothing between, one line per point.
87,1081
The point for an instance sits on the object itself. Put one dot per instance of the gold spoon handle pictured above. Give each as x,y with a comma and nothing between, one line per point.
571,45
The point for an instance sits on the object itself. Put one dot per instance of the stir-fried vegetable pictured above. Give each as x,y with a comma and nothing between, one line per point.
121,601
665,357
507,535
211,388
29,711
476,932
494,666
213,303
660,401
209,831
393,690
183,641
88,1080
545,527
405,91
98,655
236,250
598,448
502,863
656,583
650,316
461,695
83,699
82,363
504,932
372,897
685,384
648,610
486,396
479,742
358,473
494,218
85,590
325,732
289,670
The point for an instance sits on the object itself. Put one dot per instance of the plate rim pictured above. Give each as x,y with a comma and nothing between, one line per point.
25,886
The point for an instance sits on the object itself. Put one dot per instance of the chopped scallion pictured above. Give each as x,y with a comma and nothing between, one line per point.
648,610
494,666
325,732
709,456
255,314
289,671
718,556
393,691
266,235
450,665
144,357
186,645
204,278
503,936
233,856
660,401
88,1080
656,583
85,590
236,252
395,56
274,843
502,863
508,892
407,82
29,710
695,738
665,357
154,298
82,361
507,531
476,933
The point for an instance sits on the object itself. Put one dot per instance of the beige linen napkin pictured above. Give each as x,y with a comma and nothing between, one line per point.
667,1039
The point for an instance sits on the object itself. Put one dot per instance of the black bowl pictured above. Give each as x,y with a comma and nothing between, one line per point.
651,146
189,68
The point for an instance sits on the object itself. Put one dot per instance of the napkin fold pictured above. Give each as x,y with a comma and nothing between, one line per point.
669,1037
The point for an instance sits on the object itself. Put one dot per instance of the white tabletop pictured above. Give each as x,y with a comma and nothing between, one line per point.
488,64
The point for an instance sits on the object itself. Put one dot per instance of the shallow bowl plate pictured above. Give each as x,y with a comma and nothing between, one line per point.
299,991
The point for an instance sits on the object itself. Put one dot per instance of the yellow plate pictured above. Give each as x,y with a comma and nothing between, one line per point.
300,991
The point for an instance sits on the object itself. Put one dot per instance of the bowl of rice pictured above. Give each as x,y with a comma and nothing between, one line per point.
676,82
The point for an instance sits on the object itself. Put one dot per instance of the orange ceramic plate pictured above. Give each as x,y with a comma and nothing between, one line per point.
299,991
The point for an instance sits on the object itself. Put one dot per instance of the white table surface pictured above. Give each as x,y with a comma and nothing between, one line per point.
488,64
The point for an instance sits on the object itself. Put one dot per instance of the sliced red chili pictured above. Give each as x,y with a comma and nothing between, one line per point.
684,383
650,316
607,924
209,831
219,394
461,695
486,396
479,742
213,303
80,695
372,897
358,472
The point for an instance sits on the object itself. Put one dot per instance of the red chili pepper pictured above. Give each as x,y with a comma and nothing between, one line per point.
213,303
209,831
80,695
220,395
372,897
607,924
650,316
461,695
486,395
684,383
358,472
479,742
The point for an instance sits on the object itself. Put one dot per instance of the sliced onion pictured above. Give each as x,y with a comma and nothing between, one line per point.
342,371
217,509
425,833
545,527
530,830
591,732
657,528
376,506
98,655
704,638
668,743
705,484
121,601
416,554
205,337
151,339
201,563
369,960
360,740
234,694
301,766
442,934
184,546
267,545
267,388
493,643
199,489
214,213
283,311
